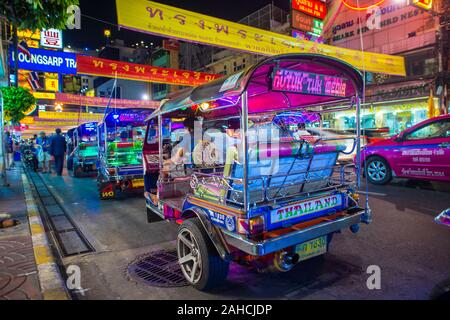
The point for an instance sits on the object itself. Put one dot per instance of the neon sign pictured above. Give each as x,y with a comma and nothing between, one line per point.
308,83
301,21
363,8
424,4
131,117
314,8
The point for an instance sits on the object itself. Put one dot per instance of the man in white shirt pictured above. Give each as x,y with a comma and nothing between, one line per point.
301,132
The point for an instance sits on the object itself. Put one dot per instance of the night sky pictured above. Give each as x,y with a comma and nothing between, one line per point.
91,33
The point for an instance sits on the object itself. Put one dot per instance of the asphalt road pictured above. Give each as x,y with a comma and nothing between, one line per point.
412,251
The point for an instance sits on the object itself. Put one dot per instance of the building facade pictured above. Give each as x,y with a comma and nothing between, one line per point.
397,28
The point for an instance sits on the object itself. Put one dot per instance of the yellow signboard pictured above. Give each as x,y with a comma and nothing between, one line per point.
28,34
44,95
51,84
71,116
90,93
155,18
32,43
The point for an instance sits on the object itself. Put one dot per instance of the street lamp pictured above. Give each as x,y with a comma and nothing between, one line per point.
107,34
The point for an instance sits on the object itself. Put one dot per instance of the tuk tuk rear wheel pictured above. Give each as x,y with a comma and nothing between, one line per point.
76,171
200,263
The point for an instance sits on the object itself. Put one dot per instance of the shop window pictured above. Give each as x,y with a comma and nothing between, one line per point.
421,63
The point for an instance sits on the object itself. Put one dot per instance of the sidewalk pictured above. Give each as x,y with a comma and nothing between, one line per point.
18,271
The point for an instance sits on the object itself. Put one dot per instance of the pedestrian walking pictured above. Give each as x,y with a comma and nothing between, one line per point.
9,147
43,154
58,150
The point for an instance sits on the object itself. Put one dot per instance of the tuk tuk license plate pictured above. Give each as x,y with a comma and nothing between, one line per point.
311,248
137,183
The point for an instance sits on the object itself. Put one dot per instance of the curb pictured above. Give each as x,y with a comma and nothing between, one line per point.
52,283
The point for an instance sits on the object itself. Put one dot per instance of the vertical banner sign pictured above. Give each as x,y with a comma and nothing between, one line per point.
170,22
110,68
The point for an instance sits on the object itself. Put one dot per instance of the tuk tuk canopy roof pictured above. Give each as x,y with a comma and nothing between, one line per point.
128,116
88,128
258,81
70,132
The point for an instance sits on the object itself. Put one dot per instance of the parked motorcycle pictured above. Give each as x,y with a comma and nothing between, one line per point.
28,156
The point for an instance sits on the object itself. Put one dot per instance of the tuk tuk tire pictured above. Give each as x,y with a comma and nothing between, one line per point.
76,171
153,217
381,161
214,270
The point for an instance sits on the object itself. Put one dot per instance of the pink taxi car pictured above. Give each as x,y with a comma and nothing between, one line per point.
419,152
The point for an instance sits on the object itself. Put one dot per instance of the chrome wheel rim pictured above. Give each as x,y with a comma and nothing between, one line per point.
377,171
189,256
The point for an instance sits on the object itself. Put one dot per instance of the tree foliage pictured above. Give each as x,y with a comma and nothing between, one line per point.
37,14
16,100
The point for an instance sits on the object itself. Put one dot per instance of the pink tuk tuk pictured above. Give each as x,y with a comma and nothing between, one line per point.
240,186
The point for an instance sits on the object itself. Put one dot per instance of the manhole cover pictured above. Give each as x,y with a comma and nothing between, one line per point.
158,269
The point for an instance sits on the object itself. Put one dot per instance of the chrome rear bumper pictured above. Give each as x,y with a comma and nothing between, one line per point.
261,248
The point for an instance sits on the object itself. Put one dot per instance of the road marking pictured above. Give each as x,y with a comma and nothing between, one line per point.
372,193
50,279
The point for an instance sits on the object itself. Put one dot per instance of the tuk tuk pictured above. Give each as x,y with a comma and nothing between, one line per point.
83,153
241,188
120,139
70,144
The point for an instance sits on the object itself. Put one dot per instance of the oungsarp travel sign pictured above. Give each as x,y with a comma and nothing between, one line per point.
46,61
170,22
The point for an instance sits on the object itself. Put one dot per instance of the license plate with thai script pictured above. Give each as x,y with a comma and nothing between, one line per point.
311,248
137,183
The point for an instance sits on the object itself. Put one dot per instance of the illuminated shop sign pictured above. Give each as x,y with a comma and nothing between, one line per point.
301,21
89,127
424,4
131,117
52,38
308,83
170,22
47,61
315,8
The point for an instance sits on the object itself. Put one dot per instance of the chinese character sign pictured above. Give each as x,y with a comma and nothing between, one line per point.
314,8
140,72
170,22
51,38
51,84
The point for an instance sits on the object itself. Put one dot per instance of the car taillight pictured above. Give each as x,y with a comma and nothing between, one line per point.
252,226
